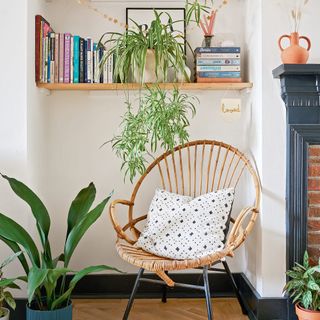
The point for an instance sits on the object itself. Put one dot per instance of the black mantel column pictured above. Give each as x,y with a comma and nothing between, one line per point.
300,90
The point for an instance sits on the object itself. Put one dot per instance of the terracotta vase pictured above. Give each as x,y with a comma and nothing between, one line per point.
294,54
304,314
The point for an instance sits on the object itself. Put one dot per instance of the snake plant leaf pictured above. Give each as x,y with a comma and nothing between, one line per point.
77,277
80,206
13,232
36,277
38,209
8,298
81,228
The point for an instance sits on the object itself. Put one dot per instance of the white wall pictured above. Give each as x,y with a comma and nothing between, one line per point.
52,142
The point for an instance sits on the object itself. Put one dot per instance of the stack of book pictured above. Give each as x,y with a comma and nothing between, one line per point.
218,64
66,58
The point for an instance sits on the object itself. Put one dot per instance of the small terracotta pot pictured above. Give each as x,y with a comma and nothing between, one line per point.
304,314
294,54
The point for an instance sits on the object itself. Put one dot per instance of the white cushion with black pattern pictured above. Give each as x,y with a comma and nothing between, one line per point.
180,227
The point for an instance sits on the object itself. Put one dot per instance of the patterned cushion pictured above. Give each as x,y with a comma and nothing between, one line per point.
180,227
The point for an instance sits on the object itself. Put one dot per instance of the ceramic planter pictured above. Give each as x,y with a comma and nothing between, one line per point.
294,54
60,314
304,314
150,75
7,316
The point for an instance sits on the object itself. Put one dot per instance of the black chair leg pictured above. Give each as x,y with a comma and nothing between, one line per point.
133,293
164,292
235,287
207,292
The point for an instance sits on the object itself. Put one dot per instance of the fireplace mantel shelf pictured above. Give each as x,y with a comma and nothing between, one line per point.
296,70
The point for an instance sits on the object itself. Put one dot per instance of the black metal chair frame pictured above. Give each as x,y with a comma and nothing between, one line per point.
205,288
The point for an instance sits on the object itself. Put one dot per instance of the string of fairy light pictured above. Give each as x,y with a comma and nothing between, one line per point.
116,21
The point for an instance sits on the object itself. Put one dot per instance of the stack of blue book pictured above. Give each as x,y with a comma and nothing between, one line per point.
218,64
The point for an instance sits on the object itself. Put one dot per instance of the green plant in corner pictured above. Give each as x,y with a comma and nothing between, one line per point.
161,120
304,286
161,42
47,288
5,283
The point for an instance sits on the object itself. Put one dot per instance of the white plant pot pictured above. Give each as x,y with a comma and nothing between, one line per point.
150,70
7,316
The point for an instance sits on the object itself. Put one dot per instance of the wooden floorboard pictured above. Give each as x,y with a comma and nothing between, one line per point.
174,309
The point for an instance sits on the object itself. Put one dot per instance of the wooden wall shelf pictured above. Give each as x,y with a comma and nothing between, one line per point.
136,86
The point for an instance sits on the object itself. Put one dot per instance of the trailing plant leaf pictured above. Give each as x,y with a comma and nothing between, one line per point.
162,120
8,298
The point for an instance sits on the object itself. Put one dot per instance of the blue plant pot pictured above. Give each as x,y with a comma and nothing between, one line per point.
60,314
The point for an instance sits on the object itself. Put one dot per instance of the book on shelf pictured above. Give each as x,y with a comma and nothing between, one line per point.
67,58
218,64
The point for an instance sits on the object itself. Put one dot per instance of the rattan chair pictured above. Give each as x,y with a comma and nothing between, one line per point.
196,168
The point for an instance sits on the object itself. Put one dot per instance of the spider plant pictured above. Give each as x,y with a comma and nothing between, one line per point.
47,289
161,120
195,8
130,49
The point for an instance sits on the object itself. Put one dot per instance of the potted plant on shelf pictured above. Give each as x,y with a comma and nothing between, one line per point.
5,284
161,120
48,291
304,289
147,56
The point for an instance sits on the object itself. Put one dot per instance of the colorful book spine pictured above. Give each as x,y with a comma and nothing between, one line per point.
46,59
218,55
71,58
95,63
56,59
85,60
89,61
61,57
67,52
52,55
76,59
218,50
227,74
81,60
218,62
218,80
218,68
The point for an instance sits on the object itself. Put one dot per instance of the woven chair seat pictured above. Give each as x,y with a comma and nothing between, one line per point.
142,259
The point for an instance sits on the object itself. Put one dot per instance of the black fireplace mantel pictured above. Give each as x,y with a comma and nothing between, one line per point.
300,88
300,91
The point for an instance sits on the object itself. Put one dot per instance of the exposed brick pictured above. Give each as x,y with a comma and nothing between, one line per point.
314,170
314,212
314,239
314,150
314,197
314,160
313,225
313,184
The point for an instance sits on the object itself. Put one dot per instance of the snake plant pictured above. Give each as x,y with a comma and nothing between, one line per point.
46,275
